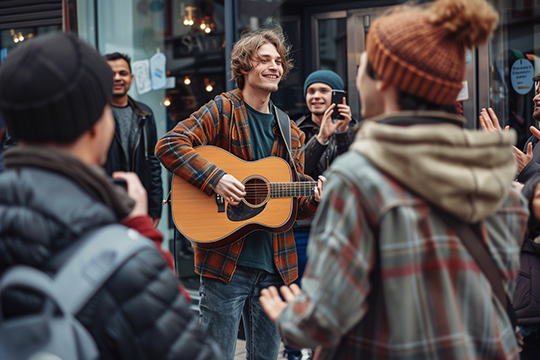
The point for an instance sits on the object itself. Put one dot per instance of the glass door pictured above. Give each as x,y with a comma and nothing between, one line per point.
339,38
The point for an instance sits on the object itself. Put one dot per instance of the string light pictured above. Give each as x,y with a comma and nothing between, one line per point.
187,80
209,85
167,102
18,37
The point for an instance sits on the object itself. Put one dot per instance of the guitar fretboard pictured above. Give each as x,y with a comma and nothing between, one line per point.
295,189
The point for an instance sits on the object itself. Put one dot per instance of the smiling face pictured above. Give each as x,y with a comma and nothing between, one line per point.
123,78
318,98
266,72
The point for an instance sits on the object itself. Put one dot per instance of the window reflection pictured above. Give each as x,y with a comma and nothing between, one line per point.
196,40
514,61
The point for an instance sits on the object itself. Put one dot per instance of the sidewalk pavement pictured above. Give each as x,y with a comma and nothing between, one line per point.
240,353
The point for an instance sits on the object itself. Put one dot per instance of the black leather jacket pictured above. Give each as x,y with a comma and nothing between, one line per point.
143,160
138,313
318,157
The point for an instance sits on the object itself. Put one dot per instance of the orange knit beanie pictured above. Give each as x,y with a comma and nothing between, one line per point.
422,51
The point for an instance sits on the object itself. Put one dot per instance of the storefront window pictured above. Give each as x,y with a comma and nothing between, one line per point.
13,38
514,60
195,44
251,14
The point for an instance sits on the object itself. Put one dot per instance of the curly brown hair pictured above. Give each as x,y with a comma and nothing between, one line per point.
243,55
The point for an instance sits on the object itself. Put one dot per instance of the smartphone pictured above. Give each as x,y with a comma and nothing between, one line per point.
120,182
337,98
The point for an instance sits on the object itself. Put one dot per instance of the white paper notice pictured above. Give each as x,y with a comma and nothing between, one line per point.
171,83
157,71
464,93
141,71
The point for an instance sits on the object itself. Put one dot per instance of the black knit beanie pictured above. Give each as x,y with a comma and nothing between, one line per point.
53,89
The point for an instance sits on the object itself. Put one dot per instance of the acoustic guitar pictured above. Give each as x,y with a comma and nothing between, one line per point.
210,222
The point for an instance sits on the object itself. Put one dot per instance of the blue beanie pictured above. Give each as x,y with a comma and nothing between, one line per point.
326,77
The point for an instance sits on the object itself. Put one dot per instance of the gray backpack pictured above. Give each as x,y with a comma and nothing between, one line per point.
55,333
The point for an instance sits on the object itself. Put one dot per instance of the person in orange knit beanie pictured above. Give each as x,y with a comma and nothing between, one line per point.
390,274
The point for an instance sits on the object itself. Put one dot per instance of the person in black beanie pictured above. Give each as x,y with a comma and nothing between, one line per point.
54,96
325,141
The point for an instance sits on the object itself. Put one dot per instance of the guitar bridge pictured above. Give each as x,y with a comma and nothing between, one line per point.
220,203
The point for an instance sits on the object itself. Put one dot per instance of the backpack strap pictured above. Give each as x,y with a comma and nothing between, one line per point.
479,252
102,252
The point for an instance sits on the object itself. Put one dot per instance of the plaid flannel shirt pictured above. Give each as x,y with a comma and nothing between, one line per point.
223,122
387,279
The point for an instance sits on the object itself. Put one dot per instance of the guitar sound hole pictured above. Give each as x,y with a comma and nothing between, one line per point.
257,191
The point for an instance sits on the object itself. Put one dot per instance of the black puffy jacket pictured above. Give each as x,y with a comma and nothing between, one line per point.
138,313
143,161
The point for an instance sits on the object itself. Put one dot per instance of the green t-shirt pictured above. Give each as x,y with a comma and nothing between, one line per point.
258,250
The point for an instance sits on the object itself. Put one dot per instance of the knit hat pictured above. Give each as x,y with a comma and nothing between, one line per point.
53,89
422,51
326,77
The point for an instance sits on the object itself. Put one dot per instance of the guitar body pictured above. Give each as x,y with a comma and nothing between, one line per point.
209,222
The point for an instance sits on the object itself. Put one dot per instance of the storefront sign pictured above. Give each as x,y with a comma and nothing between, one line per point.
198,44
521,76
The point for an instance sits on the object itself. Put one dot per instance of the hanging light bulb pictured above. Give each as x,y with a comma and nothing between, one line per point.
167,102
207,30
203,26
187,80
209,88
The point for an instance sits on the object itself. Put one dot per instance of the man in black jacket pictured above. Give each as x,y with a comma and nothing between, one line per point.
132,148
54,95
325,140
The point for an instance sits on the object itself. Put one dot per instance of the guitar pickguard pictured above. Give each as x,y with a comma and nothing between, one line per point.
243,212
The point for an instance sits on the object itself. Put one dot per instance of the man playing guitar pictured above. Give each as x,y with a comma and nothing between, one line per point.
245,123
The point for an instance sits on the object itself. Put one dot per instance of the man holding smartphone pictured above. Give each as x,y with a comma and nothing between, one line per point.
325,138
328,128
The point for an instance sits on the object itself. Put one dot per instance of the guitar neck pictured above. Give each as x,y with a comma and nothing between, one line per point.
294,189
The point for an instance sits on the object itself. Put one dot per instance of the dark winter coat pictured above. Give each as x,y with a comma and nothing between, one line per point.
143,161
527,295
318,157
138,313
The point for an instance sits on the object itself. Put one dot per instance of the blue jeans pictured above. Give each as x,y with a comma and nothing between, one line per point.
222,304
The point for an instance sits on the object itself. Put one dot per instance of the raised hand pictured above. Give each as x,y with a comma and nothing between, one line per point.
535,132
345,112
327,125
523,159
272,302
489,121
